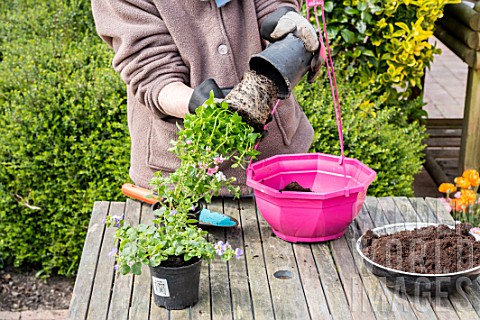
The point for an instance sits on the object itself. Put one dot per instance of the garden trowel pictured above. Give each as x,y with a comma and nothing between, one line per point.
207,217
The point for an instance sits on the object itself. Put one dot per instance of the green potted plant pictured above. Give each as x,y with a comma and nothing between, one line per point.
174,246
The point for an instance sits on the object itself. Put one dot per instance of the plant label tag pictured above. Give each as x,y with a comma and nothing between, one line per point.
160,287
314,3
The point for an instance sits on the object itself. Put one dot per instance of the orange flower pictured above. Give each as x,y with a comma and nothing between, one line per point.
457,204
461,182
468,196
447,188
472,176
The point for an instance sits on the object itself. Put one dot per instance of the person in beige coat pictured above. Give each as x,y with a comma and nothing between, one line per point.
171,52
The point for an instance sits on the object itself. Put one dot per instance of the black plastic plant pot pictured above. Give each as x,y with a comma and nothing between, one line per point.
417,284
176,287
284,62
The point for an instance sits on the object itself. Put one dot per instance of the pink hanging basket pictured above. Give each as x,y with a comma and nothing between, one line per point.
338,185
338,192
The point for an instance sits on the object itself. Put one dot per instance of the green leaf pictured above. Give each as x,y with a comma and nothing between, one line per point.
137,268
351,11
328,6
348,36
124,269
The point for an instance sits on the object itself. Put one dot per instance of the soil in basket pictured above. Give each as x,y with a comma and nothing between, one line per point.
428,250
295,186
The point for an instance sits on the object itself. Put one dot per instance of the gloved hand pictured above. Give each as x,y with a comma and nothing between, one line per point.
315,65
202,92
284,21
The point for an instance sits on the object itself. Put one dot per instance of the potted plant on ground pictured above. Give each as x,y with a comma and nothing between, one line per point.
174,246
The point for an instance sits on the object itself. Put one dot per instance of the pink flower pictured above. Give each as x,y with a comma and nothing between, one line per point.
219,159
446,204
188,141
457,194
212,171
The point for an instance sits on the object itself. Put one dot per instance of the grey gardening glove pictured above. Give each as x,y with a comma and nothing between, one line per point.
286,20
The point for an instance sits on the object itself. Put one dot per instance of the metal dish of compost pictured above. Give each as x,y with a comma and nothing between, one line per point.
407,263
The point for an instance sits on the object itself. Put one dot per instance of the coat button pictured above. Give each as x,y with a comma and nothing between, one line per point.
222,49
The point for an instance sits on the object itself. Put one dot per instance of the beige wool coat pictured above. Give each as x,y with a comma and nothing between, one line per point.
157,42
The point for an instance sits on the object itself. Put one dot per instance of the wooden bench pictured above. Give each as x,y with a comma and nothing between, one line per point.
328,280
459,30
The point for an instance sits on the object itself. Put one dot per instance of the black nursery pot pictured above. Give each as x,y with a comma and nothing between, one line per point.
284,62
176,287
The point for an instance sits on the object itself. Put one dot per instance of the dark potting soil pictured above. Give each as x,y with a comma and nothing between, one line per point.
428,250
295,186
177,261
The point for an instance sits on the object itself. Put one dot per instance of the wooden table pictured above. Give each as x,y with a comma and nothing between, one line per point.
329,280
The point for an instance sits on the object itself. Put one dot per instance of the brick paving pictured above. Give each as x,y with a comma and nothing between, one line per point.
445,85
444,93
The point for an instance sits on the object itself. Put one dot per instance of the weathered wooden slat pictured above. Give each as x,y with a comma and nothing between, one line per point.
445,132
444,152
88,263
142,289
443,142
460,302
444,123
380,304
440,211
356,295
279,256
219,282
122,288
99,301
155,312
448,163
374,209
180,314
391,212
403,305
419,205
405,208
332,286
464,13
461,31
469,56
470,149
462,305
443,308
312,287
257,270
436,172
201,310
370,212
473,293
441,305
237,269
